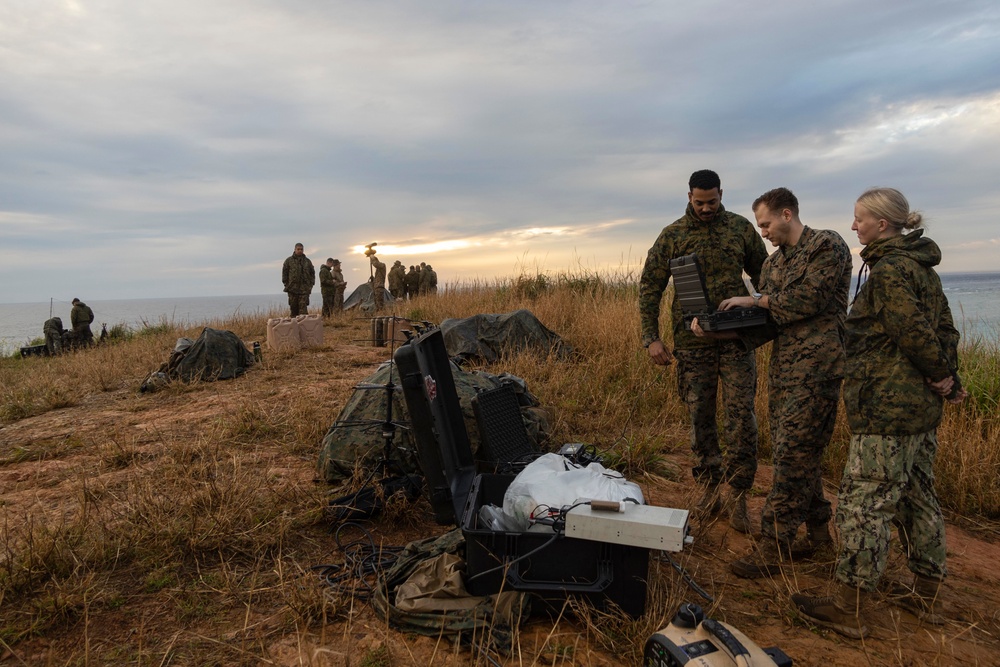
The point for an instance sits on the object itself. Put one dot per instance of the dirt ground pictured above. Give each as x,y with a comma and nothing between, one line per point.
146,626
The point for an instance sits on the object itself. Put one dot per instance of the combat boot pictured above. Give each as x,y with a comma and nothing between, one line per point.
920,600
817,544
766,559
710,502
736,505
841,612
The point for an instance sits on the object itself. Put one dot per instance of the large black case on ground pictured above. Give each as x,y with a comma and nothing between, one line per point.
601,572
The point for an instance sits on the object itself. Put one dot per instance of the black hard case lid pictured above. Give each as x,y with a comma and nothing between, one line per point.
443,447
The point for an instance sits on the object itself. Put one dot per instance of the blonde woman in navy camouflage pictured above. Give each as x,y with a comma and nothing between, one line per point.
902,356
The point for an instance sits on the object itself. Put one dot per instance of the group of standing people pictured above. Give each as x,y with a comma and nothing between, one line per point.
57,339
894,352
420,280
299,276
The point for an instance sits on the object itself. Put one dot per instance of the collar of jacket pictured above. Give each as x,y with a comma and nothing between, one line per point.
693,217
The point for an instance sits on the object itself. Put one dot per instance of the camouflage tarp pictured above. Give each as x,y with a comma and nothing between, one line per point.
487,626
355,438
487,337
362,297
216,355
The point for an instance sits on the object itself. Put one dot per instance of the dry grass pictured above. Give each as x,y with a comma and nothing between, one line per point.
190,517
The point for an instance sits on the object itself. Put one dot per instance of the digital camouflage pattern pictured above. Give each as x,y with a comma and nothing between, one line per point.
899,332
298,275
413,282
326,285
489,623
699,372
355,438
726,246
378,282
889,480
807,287
397,280
53,330
327,288
802,418
80,317
339,284
428,281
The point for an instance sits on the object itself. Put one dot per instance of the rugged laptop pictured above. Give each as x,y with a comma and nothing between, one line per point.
689,288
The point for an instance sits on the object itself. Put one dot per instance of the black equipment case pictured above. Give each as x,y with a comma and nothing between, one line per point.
536,562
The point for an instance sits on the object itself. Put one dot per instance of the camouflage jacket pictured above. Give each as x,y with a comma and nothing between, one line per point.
338,278
379,275
81,315
53,326
806,287
298,274
326,284
412,281
899,332
397,277
428,280
726,247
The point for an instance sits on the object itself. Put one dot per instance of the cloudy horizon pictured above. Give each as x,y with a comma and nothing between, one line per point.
179,149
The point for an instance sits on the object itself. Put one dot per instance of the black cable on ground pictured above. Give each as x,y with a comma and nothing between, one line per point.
363,563
692,584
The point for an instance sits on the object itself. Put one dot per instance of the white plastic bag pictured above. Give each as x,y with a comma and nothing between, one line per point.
555,481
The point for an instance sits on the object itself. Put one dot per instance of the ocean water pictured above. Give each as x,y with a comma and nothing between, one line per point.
974,300
22,322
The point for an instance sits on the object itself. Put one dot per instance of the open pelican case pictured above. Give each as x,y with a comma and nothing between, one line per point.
605,574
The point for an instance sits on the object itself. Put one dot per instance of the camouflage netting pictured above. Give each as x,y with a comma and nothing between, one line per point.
216,355
355,438
487,337
362,297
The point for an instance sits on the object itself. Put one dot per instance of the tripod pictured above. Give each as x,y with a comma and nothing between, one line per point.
369,500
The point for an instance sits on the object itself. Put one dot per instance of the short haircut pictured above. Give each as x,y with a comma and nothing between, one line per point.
777,200
331,259
705,179
299,245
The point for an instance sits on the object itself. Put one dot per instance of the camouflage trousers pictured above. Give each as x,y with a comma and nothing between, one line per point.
889,480
328,298
338,299
53,343
802,419
298,304
699,372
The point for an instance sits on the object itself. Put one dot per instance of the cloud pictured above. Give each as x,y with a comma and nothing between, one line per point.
162,149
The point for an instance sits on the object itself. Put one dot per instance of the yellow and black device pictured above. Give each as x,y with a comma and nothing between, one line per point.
692,639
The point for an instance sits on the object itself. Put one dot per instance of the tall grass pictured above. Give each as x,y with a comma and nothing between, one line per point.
211,520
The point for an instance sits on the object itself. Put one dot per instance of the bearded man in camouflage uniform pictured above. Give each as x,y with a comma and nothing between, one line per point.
804,285
298,277
726,245
902,356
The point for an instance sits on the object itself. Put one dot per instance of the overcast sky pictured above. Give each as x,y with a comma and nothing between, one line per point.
181,148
